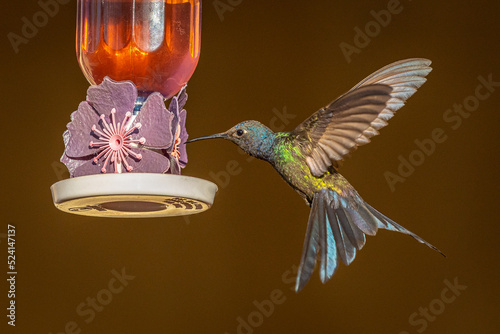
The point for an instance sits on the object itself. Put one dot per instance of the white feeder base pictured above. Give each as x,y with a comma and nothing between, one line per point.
132,195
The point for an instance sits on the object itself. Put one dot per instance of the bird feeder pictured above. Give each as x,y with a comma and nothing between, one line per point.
124,147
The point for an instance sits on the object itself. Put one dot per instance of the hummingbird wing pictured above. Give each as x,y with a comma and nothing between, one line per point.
333,132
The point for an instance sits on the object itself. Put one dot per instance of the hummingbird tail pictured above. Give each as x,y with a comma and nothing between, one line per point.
336,229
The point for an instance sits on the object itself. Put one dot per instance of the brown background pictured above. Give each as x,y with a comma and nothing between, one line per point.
198,275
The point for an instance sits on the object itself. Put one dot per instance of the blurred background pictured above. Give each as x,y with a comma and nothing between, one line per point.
231,269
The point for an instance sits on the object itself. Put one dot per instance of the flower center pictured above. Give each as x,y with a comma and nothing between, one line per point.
115,142
175,152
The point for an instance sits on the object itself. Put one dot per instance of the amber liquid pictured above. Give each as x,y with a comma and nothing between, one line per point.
153,43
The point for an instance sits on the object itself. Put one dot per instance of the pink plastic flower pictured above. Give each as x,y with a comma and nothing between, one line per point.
177,151
104,135
115,141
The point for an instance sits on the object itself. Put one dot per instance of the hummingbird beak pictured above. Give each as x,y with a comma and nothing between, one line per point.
222,135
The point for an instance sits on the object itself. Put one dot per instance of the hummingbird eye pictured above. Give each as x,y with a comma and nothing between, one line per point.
240,132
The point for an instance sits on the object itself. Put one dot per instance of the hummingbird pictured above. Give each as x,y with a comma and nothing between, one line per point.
308,159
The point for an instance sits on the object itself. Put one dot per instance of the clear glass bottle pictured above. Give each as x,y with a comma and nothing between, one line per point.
153,43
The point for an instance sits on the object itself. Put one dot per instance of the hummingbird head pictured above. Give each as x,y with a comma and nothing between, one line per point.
250,136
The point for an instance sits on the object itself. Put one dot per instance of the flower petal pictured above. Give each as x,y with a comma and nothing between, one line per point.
182,97
183,159
176,105
175,167
151,162
78,136
173,107
156,122
90,168
73,164
112,94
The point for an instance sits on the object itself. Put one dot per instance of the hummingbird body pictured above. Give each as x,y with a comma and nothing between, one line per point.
289,161
308,158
